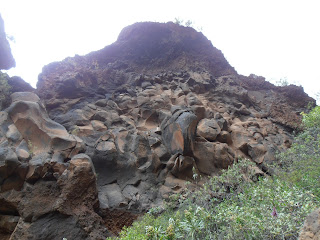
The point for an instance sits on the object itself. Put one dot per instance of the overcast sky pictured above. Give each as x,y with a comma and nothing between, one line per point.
275,39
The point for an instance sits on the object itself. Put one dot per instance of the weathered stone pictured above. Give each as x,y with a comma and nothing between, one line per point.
16,179
84,130
130,192
256,152
114,195
182,167
240,138
162,152
107,147
209,129
179,132
19,85
73,117
23,151
98,126
8,163
51,226
13,134
100,116
212,156
8,223
142,151
44,135
24,96
224,137
101,102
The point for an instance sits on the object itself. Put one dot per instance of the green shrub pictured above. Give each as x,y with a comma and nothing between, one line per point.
269,209
231,207
300,165
4,90
312,119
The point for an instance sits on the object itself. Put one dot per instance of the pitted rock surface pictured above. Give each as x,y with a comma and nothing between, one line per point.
117,131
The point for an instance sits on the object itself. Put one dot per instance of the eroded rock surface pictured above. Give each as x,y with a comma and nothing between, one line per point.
119,130
47,189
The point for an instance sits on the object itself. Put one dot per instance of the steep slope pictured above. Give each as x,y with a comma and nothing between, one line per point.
6,58
148,110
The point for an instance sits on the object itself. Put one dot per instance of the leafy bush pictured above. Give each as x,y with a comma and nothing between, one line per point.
282,82
231,208
301,163
4,89
269,209
312,119
187,23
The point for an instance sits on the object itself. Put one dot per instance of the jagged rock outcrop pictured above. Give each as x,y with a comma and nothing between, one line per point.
149,111
6,59
47,189
148,48
17,84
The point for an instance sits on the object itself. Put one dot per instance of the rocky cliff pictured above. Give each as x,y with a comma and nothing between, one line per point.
117,131
6,58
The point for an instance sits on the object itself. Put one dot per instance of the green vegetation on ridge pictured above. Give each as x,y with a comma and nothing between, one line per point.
237,205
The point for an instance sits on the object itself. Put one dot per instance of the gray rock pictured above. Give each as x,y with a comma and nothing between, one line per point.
113,193
8,223
130,192
24,96
23,151
106,146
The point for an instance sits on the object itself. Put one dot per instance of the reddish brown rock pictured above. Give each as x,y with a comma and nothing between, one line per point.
209,129
179,132
311,227
182,167
65,208
210,157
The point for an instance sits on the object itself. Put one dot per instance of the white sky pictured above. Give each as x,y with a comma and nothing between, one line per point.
271,38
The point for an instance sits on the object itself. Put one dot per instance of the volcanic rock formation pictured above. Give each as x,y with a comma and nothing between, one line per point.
117,131
6,58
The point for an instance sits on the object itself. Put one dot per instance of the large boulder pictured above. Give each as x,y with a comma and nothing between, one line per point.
64,208
209,129
212,156
42,134
178,132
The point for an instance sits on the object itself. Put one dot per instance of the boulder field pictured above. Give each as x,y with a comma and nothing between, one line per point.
109,135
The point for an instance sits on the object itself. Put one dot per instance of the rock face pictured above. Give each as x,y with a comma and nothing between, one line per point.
47,189
44,135
142,114
6,58
311,227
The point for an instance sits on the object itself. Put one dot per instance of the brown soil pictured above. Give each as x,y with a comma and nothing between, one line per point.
115,220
